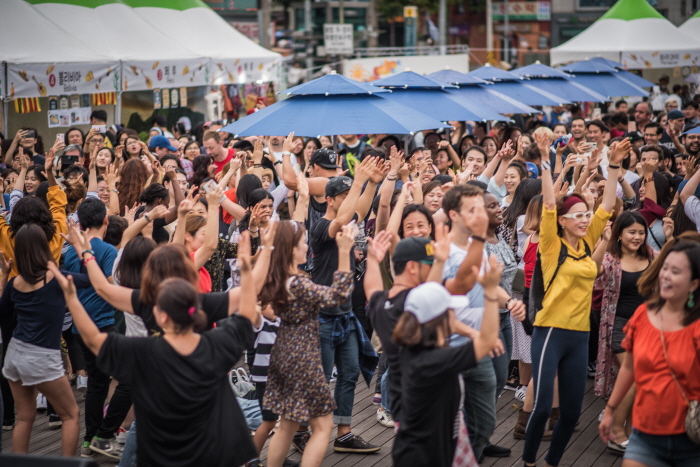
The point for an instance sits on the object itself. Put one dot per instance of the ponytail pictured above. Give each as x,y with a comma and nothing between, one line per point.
180,301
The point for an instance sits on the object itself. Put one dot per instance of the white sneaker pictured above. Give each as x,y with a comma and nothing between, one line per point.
520,393
40,402
81,384
384,418
334,375
602,414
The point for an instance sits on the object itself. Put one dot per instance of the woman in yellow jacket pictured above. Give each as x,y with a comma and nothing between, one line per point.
560,336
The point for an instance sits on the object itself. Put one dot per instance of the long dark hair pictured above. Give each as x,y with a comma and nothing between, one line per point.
527,189
411,208
128,272
274,291
246,185
257,196
164,262
623,221
409,332
32,253
133,178
200,167
31,210
180,301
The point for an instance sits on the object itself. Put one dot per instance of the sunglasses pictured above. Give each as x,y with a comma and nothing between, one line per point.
579,215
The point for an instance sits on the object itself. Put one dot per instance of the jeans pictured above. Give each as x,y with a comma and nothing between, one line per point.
500,363
479,404
386,396
1,406
129,454
566,352
662,450
381,369
97,390
346,358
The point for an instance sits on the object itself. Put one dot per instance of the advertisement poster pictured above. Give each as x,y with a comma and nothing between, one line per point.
70,117
370,69
660,59
242,71
144,76
156,99
36,80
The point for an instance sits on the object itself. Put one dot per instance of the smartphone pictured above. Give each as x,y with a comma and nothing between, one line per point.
209,186
100,128
593,146
631,126
596,114
31,134
67,161
60,137
579,160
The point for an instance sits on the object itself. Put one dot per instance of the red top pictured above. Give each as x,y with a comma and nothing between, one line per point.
659,407
230,194
220,165
529,258
204,278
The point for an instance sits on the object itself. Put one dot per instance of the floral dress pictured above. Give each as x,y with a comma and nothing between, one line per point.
296,385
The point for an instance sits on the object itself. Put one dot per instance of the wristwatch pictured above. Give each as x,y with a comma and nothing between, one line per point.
286,153
82,253
147,217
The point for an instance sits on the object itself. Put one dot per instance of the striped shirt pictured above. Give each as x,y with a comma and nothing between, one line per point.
267,334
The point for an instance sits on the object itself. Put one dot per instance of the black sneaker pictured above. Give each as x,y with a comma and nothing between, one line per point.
55,422
300,440
290,463
355,444
108,447
496,451
591,369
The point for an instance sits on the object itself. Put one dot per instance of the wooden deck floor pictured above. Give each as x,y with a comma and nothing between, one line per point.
584,450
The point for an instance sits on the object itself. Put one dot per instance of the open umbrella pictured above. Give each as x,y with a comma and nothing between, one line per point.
514,87
558,83
431,98
334,84
455,77
603,79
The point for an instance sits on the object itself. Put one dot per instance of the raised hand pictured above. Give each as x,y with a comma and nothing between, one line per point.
131,213
214,196
668,228
345,238
111,176
477,220
258,152
119,152
288,145
77,240
649,167
5,264
158,212
618,151
507,153
443,239
243,256
379,245
302,185
492,274
365,170
690,166
542,141
268,237
184,208
379,172
255,214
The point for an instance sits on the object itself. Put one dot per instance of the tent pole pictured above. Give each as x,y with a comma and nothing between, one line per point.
118,106
5,101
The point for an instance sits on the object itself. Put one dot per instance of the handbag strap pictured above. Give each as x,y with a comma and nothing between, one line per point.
663,344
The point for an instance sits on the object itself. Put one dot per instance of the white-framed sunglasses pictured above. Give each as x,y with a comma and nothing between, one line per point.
578,215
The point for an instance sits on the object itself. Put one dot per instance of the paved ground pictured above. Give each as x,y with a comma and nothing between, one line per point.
584,450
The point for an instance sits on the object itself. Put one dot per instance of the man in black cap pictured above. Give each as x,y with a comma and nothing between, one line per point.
340,330
676,119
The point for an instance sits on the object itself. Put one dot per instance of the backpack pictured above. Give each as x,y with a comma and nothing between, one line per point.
537,289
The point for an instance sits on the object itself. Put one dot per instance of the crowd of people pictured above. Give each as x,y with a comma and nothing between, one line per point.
450,267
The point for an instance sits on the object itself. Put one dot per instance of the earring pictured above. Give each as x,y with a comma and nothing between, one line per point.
691,300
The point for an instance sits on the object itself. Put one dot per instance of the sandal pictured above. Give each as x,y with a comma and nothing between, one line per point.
618,447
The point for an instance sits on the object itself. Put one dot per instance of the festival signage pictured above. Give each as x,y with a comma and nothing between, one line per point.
42,80
637,60
243,70
146,76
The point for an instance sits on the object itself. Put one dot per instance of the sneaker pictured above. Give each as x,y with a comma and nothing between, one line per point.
354,443
55,422
81,384
121,435
520,393
602,414
591,369
512,385
254,463
384,418
7,425
334,375
377,399
289,463
300,440
108,447
40,402
496,451
85,450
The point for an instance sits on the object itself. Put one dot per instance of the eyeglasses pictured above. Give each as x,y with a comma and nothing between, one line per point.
578,215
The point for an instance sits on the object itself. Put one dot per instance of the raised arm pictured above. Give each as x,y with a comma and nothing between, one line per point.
89,333
111,177
454,157
364,204
490,324
376,251
648,168
395,219
25,163
618,152
171,215
441,251
347,209
248,301
134,229
211,234
464,280
182,210
48,163
302,204
15,142
692,185
92,172
507,153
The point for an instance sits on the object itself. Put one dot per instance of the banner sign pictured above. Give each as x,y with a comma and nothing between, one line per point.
522,11
660,59
337,39
71,117
37,80
243,70
370,69
146,76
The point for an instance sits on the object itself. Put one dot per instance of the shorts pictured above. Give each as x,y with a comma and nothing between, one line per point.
618,335
662,450
267,415
32,364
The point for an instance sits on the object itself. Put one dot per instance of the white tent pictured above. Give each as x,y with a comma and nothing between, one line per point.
633,33
42,58
692,26
234,57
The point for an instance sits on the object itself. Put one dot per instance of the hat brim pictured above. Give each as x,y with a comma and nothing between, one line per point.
326,166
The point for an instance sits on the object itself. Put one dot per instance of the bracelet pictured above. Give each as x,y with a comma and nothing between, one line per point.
392,179
286,153
507,302
85,261
276,162
611,407
115,190
92,252
266,248
610,166
489,299
257,165
147,217
650,179
254,231
478,239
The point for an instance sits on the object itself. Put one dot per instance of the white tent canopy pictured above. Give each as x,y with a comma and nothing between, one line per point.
633,33
692,26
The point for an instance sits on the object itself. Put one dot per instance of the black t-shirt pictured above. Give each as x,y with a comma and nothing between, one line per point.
325,260
667,142
214,305
187,412
315,212
430,401
160,235
384,312
630,298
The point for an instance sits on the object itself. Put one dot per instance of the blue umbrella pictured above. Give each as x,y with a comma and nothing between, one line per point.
491,73
487,97
333,84
557,82
455,77
410,79
693,131
629,76
525,94
600,77
537,70
333,115
441,105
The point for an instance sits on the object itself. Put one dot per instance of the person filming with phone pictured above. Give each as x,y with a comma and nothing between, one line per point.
31,143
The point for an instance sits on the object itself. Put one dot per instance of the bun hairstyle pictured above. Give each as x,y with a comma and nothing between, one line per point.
180,301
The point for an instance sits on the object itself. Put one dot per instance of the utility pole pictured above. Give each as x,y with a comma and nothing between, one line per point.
442,26
506,33
308,32
489,32
264,21
341,20
372,25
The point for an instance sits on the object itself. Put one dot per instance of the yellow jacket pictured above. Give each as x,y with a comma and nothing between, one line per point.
57,205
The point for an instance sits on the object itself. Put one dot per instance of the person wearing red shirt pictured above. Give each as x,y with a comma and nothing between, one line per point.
214,146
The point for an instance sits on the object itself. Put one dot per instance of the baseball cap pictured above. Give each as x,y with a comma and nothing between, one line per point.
634,136
532,168
413,249
338,185
675,114
428,301
159,141
326,158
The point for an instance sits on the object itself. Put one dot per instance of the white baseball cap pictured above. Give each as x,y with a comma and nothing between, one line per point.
428,301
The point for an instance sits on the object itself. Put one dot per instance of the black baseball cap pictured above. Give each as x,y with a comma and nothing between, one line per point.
414,249
337,185
634,136
326,158
675,114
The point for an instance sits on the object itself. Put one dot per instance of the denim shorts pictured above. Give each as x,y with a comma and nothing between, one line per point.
662,450
32,364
